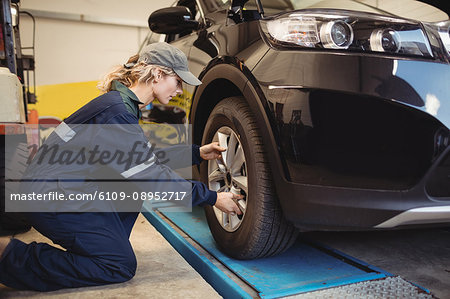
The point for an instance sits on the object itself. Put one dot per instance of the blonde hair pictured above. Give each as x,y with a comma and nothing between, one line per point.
132,72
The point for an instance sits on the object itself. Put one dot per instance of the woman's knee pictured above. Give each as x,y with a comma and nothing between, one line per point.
119,268
129,266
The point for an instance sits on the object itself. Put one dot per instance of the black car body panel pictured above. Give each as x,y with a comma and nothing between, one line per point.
353,139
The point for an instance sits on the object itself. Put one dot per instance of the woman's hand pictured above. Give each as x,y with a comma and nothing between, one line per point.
226,202
211,151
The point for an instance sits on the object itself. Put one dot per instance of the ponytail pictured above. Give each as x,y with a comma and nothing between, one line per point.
132,72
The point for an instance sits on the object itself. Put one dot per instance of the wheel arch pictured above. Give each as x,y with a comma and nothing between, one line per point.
227,77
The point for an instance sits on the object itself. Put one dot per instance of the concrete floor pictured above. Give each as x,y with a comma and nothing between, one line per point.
421,256
161,272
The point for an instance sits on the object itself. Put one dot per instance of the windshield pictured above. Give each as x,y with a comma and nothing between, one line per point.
403,8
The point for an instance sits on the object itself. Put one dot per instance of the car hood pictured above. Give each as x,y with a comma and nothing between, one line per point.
409,9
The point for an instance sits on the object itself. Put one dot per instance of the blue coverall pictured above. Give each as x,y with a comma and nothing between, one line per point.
97,244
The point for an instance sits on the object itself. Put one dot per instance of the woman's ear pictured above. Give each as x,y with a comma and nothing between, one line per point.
158,75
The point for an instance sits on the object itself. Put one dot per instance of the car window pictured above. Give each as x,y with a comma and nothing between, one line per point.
214,5
155,37
151,38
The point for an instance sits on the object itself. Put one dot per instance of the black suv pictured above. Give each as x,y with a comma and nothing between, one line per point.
335,114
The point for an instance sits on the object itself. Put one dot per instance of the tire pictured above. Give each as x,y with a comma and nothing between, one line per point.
13,164
262,230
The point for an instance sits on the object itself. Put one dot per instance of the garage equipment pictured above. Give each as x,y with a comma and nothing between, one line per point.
15,95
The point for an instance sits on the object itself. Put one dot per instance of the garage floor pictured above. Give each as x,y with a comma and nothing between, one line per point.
421,256
161,273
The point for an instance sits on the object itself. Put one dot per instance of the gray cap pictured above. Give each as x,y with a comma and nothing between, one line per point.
166,55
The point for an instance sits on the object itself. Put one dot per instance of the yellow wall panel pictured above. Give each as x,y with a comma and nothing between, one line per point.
61,100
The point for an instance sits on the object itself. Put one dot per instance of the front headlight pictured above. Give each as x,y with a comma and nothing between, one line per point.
346,30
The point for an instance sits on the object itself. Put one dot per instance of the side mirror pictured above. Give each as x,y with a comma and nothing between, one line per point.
172,20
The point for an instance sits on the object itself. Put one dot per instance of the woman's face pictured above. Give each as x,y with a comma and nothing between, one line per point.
167,87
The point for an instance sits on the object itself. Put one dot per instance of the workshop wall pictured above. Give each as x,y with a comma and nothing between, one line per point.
77,42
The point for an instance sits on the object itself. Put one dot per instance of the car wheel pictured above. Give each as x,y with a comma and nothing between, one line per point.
261,230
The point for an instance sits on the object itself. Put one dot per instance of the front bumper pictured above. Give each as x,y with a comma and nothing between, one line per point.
332,208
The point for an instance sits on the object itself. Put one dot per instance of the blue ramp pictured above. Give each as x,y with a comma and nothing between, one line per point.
303,268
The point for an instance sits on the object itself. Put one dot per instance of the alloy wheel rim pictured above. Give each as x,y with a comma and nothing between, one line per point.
229,174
